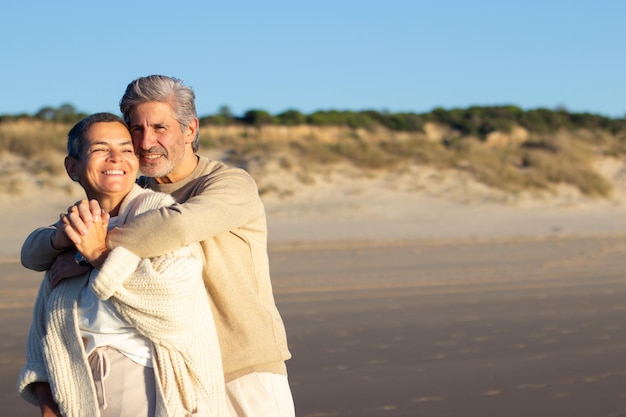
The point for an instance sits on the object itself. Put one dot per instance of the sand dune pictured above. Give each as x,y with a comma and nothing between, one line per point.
344,206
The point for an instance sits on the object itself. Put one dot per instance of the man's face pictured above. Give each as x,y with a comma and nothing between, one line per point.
159,141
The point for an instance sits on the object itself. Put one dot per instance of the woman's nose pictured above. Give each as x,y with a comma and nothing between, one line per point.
115,155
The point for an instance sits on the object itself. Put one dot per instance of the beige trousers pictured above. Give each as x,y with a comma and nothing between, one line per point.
259,394
124,388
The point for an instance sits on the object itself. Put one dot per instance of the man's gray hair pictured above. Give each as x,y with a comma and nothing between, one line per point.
77,135
166,90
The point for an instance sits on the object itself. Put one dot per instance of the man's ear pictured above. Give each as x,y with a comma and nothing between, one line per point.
192,128
70,168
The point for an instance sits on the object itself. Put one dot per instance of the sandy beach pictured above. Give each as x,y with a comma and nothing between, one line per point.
403,303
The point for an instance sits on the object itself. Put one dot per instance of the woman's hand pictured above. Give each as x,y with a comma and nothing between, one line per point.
79,219
47,405
87,226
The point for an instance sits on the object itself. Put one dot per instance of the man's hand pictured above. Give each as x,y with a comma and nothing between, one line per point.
65,267
59,239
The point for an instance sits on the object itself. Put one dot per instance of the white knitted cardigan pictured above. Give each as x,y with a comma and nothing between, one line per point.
163,297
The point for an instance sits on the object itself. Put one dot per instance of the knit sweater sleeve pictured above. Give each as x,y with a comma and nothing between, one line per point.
35,368
222,202
165,299
153,294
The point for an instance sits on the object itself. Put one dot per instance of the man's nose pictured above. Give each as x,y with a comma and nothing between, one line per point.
144,139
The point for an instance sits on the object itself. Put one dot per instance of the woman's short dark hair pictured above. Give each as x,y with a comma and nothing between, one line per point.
77,135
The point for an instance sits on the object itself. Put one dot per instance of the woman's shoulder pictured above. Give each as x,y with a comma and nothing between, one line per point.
140,200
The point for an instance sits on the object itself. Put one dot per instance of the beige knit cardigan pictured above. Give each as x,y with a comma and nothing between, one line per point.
163,297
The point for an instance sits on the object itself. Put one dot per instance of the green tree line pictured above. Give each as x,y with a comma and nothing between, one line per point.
476,121
65,113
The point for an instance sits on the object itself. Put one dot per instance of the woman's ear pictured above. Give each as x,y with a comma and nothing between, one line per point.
70,168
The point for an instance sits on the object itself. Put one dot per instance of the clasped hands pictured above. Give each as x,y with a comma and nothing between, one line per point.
84,227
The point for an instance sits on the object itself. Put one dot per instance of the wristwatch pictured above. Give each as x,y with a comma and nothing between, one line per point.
80,259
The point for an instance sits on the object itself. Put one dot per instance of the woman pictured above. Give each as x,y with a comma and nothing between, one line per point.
123,339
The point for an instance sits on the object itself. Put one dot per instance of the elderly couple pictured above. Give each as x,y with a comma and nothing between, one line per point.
157,298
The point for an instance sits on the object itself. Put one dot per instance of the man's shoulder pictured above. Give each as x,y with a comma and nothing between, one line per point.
214,168
207,166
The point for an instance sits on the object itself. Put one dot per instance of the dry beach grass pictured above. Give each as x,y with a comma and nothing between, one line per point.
344,203
338,183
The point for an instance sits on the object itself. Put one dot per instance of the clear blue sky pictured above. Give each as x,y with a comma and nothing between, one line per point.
395,55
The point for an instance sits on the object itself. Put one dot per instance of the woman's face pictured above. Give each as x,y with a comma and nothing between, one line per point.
108,166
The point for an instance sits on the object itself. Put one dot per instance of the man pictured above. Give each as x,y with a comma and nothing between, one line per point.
219,207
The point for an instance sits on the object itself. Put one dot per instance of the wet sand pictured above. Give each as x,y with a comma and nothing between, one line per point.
496,327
